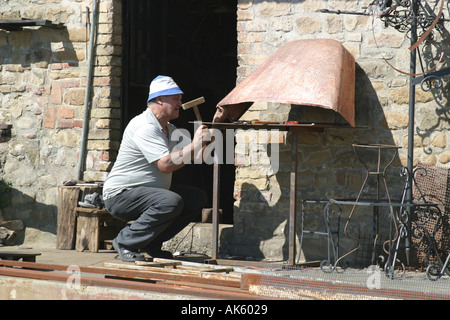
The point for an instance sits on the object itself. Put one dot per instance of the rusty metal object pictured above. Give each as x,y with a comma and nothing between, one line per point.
163,282
311,72
141,273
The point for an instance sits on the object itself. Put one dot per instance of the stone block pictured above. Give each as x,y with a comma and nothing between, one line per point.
308,25
74,97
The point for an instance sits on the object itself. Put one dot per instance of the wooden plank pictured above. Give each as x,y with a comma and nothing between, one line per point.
198,266
88,232
157,264
176,271
224,269
67,201
92,210
136,267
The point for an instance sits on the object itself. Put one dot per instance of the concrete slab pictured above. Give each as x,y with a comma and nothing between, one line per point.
65,257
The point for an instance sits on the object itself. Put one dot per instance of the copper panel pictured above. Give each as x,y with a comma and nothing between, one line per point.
313,72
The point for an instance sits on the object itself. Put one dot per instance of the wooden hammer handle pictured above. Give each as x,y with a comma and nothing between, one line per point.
197,113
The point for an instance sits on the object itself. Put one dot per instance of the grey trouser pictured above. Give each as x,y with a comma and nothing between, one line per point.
158,214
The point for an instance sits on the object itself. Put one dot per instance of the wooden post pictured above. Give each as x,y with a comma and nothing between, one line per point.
88,231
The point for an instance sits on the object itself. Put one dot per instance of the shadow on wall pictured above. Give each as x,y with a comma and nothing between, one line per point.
328,169
32,222
40,154
255,223
38,48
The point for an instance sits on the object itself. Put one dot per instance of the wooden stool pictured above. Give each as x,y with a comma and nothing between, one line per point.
89,222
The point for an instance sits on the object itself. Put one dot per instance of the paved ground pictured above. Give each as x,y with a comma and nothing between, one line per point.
369,282
65,257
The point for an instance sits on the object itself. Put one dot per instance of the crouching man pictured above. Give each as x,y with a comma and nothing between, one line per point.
139,186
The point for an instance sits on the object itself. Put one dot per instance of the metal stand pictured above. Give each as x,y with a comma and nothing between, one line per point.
327,265
380,174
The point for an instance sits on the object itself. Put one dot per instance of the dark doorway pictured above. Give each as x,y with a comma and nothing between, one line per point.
194,42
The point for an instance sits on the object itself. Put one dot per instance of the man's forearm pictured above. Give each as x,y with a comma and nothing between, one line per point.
176,160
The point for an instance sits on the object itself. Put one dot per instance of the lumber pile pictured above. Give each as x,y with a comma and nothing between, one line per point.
170,271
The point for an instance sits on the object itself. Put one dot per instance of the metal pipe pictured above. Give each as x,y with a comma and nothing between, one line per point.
412,92
293,196
82,155
215,215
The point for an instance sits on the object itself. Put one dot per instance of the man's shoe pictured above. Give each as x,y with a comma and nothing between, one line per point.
127,255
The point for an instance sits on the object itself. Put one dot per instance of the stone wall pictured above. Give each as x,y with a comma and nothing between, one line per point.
328,167
42,94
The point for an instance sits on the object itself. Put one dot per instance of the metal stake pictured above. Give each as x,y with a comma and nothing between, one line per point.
412,92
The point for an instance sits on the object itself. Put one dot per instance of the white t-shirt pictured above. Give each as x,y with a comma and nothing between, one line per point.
144,141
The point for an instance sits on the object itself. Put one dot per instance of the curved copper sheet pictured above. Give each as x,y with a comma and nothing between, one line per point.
313,72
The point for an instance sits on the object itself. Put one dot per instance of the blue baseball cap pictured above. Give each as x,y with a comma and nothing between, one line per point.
163,86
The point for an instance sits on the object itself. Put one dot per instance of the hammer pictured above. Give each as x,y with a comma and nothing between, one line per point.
194,105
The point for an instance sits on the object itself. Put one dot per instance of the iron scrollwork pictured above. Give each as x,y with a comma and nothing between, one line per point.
400,15
427,223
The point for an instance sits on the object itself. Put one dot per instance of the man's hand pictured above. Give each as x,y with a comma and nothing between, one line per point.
202,138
